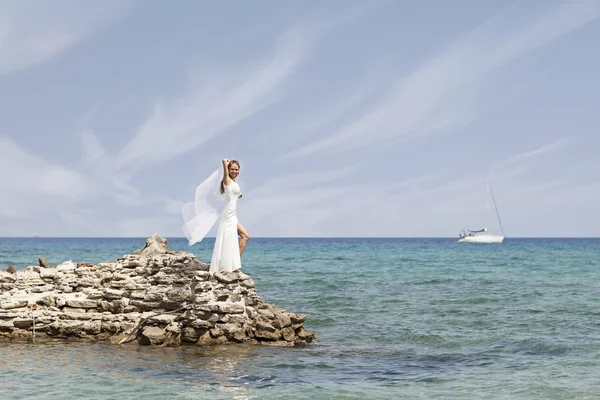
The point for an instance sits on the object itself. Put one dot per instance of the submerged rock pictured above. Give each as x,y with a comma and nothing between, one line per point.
155,296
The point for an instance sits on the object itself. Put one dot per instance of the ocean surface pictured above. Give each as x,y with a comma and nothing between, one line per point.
394,319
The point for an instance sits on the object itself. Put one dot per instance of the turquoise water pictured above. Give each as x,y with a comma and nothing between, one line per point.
394,318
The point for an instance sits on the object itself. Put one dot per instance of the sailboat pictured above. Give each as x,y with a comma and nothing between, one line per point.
482,235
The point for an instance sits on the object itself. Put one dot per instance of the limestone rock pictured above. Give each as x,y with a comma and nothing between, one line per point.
154,245
82,303
282,320
189,334
152,335
43,262
9,305
164,319
207,340
48,273
66,266
288,334
227,277
48,300
112,294
304,335
179,293
23,323
155,297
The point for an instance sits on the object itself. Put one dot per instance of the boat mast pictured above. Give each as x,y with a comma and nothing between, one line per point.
496,208
486,203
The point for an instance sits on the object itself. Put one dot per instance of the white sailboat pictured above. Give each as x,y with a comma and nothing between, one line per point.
482,236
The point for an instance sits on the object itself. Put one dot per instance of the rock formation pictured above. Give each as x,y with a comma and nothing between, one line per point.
155,296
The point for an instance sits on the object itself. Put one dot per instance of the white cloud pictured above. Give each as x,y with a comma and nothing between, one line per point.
432,204
33,187
92,149
36,30
445,91
100,196
212,109
522,157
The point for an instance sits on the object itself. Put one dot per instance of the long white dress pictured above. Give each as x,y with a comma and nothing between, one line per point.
226,253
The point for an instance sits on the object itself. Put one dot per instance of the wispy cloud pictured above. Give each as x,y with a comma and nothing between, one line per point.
522,157
217,106
443,93
34,31
440,203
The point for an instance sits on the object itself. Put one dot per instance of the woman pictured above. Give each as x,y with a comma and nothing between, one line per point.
201,215
227,252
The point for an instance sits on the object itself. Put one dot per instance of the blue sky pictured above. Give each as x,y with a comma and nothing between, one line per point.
349,118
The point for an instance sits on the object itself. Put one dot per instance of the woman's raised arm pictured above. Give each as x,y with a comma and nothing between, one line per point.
226,179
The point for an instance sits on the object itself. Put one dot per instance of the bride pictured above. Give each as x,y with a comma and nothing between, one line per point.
201,215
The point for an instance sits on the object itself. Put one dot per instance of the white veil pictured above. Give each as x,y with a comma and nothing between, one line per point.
201,215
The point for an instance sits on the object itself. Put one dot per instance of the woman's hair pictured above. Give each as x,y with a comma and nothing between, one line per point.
231,162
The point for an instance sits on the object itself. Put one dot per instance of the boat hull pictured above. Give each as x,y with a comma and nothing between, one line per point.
482,239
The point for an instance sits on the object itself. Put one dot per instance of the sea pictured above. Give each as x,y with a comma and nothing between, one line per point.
394,319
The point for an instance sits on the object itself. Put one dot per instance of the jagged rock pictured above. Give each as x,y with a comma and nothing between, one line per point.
71,328
154,245
170,305
9,305
42,288
152,335
288,334
304,335
297,318
82,303
179,293
207,340
248,283
231,308
47,300
197,265
173,328
7,277
163,319
189,334
29,275
67,266
155,296
201,324
43,262
227,277
112,294
110,326
267,334
23,323
92,327
282,320
6,326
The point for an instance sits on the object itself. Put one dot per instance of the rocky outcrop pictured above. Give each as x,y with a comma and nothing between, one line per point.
155,296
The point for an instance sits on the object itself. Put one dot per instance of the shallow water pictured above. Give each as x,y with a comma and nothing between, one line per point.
394,318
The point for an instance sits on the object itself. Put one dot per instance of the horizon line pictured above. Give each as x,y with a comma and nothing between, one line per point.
294,237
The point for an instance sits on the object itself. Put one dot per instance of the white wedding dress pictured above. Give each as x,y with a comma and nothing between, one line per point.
200,216
226,253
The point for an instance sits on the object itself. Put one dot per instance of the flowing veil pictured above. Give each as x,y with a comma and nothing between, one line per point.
200,215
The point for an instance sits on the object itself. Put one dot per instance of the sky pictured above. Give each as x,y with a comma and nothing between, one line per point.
348,118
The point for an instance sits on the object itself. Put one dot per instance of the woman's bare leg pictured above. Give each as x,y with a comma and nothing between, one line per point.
243,237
